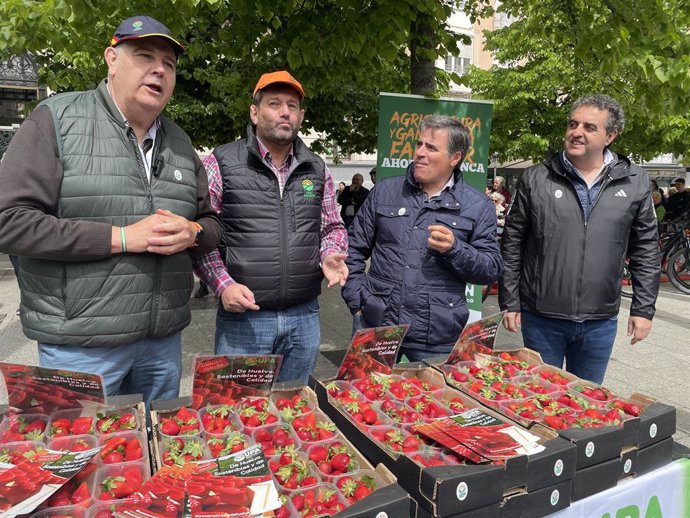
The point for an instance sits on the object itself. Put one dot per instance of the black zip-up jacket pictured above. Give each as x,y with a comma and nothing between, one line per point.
557,264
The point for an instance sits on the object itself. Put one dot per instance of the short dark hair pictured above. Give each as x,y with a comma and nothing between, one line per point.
616,118
458,134
256,100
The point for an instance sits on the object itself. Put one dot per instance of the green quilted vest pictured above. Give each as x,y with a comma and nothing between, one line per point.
126,297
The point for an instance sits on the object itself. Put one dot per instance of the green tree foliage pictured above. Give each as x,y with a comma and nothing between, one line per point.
344,52
637,51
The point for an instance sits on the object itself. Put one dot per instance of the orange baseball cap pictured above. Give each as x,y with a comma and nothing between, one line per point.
280,77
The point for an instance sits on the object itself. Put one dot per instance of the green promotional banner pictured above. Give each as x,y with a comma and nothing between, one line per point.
399,118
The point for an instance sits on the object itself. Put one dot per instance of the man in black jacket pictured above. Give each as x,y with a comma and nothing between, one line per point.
679,202
352,198
574,220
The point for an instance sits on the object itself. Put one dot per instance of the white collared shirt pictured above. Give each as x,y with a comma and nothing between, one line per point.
150,133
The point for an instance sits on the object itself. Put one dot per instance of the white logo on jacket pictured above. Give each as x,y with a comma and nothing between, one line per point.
558,194
621,194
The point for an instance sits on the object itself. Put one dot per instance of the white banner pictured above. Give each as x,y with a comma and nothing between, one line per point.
663,493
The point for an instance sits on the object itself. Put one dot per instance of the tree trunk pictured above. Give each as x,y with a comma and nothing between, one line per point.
422,69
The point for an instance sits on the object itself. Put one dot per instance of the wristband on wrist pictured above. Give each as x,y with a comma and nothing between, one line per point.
123,240
199,232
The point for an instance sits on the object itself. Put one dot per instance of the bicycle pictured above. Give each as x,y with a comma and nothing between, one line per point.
674,256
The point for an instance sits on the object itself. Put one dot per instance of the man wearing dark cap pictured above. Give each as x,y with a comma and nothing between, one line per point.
678,203
282,234
106,202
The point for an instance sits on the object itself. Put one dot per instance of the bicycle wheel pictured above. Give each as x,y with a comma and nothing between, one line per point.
626,282
679,270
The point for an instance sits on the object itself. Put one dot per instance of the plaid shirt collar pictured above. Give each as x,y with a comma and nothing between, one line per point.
266,155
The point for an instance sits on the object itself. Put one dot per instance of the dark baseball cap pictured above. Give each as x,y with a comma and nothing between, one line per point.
138,27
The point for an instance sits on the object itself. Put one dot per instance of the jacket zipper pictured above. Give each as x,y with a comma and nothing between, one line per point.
283,246
155,300
604,184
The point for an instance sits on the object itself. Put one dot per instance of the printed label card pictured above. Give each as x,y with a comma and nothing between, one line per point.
372,350
223,380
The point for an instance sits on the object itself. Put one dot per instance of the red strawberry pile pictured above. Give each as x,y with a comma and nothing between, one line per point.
400,412
313,427
358,486
411,387
274,439
547,396
73,443
292,407
323,500
363,413
121,482
216,419
122,448
74,492
254,412
554,377
28,427
62,427
374,387
333,459
223,445
175,450
396,439
429,456
19,452
184,422
115,422
291,470
431,407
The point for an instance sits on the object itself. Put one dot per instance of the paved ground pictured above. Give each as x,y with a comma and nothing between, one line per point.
657,367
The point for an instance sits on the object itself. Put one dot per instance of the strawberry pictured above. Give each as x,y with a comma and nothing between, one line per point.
80,445
632,409
113,457
80,494
116,487
133,450
341,462
170,427
106,424
82,425
318,454
126,422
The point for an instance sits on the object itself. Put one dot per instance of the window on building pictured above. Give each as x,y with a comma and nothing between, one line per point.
460,64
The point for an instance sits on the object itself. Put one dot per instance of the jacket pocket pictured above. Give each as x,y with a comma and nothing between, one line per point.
448,314
375,300
461,227
392,222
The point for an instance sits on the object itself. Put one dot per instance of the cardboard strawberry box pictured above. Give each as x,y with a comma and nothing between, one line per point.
442,490
593,445
389,496
654,456
595,478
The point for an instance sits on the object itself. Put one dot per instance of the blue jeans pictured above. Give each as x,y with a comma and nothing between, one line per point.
294,332
152,366
585,346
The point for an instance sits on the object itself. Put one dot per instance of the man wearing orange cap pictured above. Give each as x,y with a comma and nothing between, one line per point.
282,234
105,200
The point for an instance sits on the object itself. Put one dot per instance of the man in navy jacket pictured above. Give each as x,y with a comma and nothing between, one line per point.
427,234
